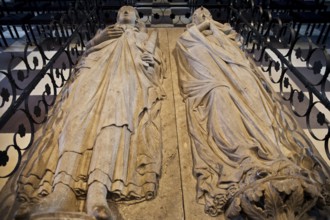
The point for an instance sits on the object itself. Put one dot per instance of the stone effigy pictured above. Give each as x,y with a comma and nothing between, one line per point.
103,138
250,158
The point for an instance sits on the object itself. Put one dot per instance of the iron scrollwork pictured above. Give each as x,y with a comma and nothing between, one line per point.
262,34
23,110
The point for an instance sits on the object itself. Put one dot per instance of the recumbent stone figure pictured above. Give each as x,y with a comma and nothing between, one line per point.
103,139
251,159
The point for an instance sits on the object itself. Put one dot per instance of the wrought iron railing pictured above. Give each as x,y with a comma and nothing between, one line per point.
22,111
262,35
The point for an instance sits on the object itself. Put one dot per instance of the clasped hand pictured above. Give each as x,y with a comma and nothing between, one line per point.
148,59
205,25
109,33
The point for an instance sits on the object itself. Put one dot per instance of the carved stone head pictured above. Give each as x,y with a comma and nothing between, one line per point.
127,15
200,15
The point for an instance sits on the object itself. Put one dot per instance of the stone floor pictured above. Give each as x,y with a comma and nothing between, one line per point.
177,194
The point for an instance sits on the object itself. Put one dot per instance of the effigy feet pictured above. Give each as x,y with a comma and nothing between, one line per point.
56,206
101,212
56,202
96,203
52,203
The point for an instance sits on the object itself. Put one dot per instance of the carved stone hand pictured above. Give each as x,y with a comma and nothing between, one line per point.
148,59
107,34
110,33
204,26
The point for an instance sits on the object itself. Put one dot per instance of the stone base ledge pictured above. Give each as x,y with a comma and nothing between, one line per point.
61,216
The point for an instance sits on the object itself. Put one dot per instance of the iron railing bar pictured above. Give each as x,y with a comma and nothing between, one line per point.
29,88
280,56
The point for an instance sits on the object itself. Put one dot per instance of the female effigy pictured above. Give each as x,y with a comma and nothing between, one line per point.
250,158
103,139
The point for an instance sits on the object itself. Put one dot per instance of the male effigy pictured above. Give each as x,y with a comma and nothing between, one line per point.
103,139
251,160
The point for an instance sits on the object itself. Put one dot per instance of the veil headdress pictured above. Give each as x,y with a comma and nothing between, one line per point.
199,10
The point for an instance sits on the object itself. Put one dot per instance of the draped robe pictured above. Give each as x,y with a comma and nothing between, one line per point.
236,123
104,127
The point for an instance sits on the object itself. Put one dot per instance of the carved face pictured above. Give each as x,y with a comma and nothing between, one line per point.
127,15
200,15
